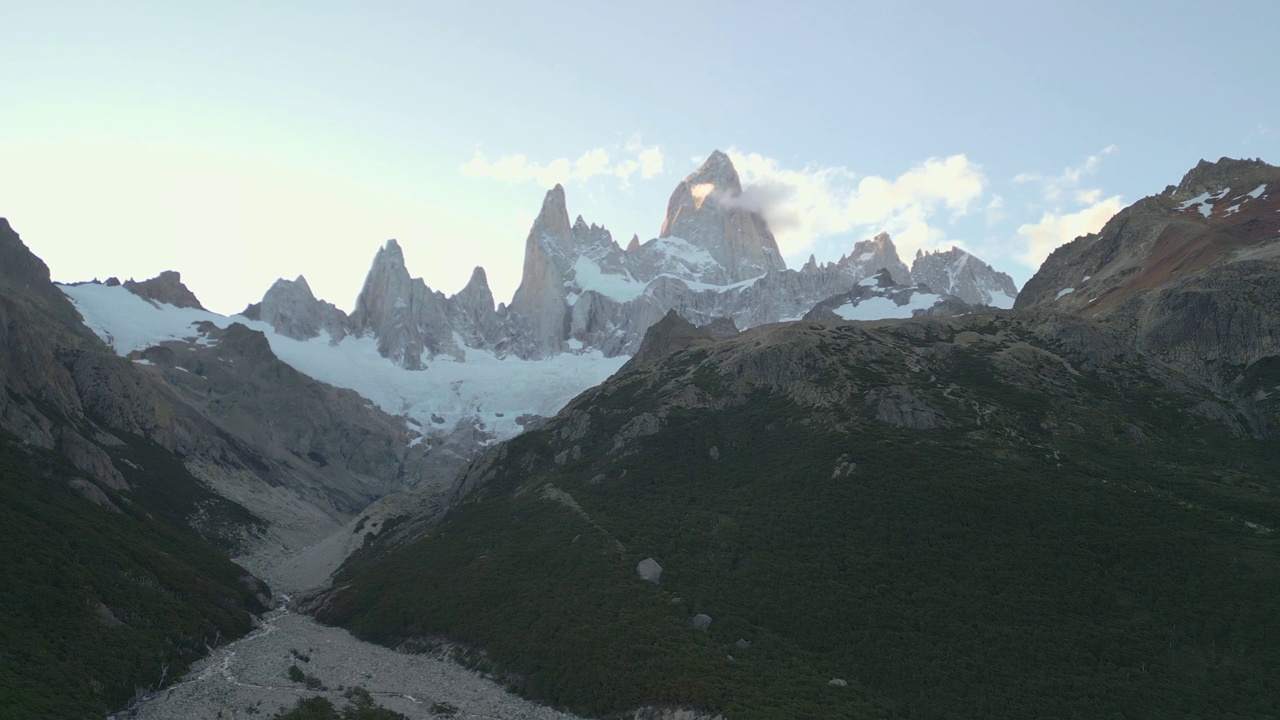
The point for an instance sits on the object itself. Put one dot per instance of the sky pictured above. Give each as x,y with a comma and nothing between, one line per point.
240,142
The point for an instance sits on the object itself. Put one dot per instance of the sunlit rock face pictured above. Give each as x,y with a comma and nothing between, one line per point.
708,210
959,273
580,291
293,310
409,319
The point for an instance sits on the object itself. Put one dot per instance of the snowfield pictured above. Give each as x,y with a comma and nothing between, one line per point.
495,391
882,308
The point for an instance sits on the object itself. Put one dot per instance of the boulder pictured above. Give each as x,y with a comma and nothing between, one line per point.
649,569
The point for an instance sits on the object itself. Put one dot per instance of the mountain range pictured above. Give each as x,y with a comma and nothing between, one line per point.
915,507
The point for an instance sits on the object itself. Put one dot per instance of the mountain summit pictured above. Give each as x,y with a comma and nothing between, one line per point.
708,210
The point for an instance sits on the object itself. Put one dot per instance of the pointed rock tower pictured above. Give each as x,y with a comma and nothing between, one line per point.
959,273
706,210
406,316
549,252
472,315
293,310
871,256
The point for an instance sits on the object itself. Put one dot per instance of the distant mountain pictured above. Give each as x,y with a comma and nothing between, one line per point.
958,273
896,518
708,210
457,372
1190,275
835,504
580,291
879,298
111,549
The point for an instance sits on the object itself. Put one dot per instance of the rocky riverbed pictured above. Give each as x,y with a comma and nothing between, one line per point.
249,678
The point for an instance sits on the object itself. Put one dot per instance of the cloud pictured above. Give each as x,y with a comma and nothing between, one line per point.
1054,229
804,207
1073,211
1057,187
518,169
995,211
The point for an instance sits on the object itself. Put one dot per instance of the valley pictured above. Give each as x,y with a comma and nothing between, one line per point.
675,480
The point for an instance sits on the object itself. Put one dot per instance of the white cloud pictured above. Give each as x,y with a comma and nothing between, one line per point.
1058,187
995,211
815,203
1056,228
1073,210
516,169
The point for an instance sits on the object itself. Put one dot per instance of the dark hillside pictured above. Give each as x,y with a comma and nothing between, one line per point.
996,515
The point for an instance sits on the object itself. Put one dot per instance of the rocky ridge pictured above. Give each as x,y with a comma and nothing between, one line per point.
878,297
581,291
1191,275
958,273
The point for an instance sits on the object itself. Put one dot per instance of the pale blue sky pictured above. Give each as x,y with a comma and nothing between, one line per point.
238,142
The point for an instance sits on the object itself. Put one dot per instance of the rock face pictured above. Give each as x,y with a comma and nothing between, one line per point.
296,456
167,288
708,210
878,297
327,445
1192,275
958,273
549,253
291,308
580,291
472,314
673,333
409,319
869,257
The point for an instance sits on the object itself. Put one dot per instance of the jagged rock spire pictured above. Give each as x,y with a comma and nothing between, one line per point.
408,318
292,309
167,288
869,256
707,210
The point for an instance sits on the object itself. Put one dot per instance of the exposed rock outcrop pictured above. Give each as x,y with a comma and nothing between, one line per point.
409,319
878,297
673,333
959,273
292,309
167,288
871,256
549,254
708,210
1191,275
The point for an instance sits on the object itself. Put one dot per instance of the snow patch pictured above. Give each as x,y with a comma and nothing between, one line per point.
1001,300
589,276
683,251
882,308
1064,292
1202,202
701,286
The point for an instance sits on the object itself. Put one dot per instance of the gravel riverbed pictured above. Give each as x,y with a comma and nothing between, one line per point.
249,678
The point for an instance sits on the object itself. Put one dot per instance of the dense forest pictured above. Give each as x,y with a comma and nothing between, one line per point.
1125,568
104,603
